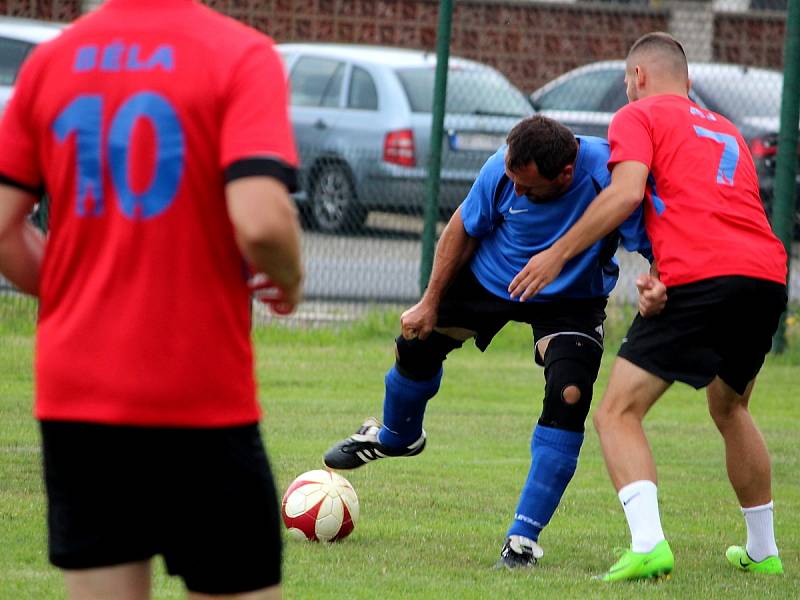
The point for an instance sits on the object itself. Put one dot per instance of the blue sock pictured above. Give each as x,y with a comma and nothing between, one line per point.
404,407
554,458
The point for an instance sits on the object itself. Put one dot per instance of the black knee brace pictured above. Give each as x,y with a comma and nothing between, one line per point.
419,359
571,363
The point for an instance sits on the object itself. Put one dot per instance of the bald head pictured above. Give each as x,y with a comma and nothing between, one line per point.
656,64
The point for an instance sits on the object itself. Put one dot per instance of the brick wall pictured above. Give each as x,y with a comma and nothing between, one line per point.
751,39
529,42
48,10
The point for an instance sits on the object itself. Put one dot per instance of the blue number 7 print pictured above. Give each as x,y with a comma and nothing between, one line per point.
730,154
84,115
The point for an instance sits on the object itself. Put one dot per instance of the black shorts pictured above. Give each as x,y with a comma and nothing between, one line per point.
715,327
469,305
204,499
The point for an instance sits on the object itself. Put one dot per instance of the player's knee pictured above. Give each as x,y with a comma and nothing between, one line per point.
571,365
571,394
421,360
600,419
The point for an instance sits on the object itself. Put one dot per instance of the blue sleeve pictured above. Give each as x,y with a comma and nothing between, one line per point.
633,235
478,211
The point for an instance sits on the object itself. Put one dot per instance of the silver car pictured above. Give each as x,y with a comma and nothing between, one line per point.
362,120
17,38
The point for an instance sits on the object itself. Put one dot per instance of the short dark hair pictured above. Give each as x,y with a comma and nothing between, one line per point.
665,45
543,141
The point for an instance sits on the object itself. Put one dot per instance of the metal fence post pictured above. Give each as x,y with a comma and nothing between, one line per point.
437,134
786,168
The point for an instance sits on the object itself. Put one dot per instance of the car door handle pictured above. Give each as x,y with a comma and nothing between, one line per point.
320,124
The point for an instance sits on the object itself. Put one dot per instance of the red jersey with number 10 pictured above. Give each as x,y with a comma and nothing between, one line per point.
703,211
129,120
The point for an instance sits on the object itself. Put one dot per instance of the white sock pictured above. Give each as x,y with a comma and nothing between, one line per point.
760,532
640,503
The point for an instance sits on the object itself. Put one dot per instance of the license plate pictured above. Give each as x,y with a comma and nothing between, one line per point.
484,142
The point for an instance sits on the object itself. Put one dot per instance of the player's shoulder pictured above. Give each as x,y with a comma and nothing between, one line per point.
594,155
594,146
498,159
225,35
495,165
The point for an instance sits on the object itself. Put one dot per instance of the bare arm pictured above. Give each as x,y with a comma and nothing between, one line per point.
454,249
21,244
611,207
267,231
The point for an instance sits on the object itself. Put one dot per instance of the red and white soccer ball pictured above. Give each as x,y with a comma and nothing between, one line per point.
320,506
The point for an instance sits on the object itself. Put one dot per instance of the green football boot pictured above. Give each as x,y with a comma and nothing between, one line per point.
739,558
642,565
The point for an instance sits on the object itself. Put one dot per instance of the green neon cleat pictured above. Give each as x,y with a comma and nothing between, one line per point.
642,565
739,558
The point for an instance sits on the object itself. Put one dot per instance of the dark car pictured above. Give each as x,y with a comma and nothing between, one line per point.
586,98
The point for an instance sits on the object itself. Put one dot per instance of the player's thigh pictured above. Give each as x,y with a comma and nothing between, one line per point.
101,506
581,318
678,343
223,535
631,390
130,581
744,328
270,593
470,310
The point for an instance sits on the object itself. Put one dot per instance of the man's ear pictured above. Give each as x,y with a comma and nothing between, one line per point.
567,173
641,77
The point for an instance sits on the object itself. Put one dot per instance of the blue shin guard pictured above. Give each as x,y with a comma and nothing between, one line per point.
404,407
554,458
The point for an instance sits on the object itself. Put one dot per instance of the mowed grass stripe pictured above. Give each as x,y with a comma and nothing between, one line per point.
432,526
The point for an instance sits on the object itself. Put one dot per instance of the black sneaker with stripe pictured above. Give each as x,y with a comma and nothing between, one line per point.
363,447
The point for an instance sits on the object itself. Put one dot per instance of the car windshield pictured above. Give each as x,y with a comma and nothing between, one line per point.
12,53
741,92
469,92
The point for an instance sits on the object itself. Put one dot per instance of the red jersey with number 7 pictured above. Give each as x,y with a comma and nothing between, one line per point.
133,120
703,211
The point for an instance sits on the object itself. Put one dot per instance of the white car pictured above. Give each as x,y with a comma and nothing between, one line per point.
17,38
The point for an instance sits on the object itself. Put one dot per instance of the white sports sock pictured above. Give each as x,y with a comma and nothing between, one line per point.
760,532
640,503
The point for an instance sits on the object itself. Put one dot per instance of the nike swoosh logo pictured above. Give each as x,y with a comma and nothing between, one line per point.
512,211
629,499
743,565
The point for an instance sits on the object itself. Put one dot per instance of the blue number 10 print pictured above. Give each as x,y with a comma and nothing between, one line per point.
84,117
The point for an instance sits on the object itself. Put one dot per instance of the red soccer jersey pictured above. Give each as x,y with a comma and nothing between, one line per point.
129,119
703,211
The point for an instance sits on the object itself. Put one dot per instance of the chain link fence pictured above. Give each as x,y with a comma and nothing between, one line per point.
361,107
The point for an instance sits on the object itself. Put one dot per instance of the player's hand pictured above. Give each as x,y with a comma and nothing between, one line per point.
540,271
652,295
419,320
280,301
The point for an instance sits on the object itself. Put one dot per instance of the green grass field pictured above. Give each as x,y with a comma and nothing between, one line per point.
432,526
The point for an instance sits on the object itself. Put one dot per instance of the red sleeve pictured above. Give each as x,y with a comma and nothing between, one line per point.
256,121
629,136
19,159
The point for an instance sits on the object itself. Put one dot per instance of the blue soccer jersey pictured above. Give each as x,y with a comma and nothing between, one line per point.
512,228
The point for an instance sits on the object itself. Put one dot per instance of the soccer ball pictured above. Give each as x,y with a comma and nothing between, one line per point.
320,506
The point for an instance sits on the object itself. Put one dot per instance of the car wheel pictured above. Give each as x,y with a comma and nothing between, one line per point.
334,206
